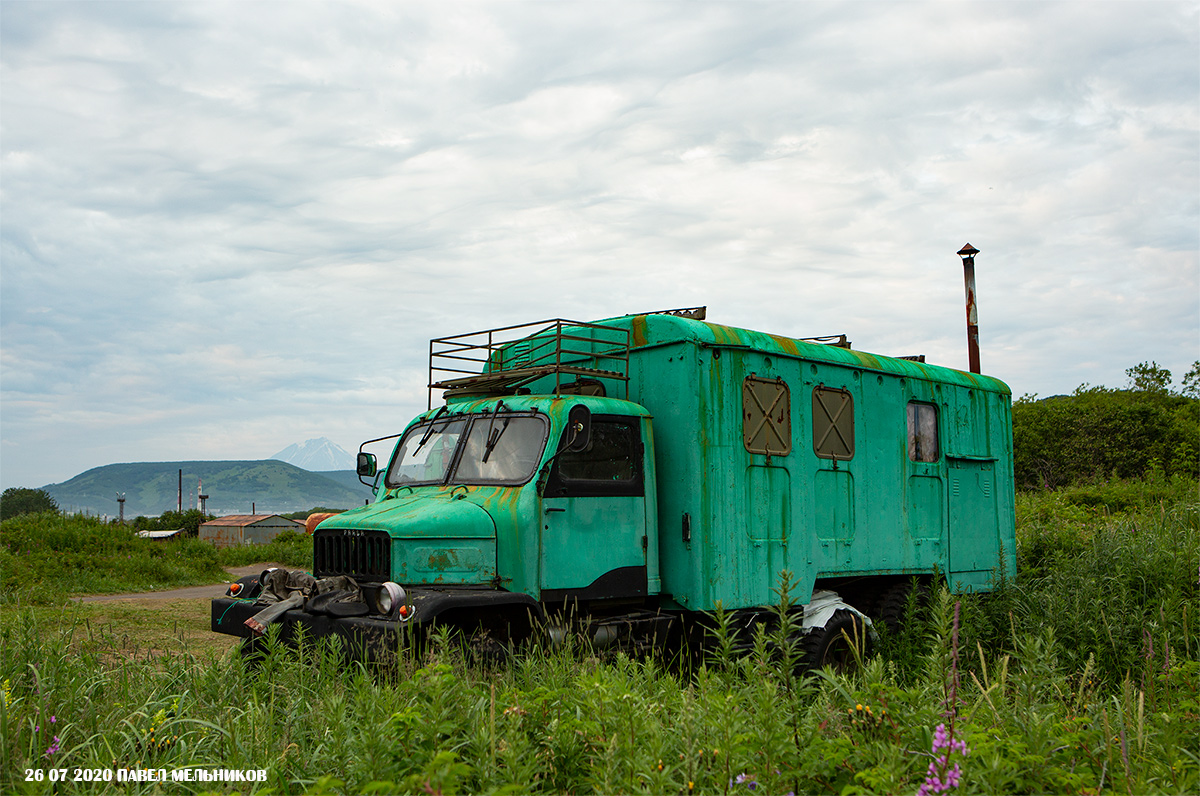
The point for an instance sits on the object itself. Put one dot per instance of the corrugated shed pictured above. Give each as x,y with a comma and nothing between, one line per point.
237,529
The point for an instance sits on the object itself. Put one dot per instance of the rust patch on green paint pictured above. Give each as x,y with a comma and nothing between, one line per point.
786,344
867,360
640,333
724,335
440,560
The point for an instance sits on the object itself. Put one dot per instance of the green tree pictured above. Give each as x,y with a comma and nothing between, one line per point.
1149,377
1191,381
189,521
1097,433
19,500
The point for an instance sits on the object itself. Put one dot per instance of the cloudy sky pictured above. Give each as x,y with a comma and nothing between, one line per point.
228,227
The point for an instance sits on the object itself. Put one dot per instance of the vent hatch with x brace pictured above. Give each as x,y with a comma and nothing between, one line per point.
766,416
833,423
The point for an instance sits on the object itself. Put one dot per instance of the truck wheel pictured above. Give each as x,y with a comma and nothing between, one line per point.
485,651
831,645
892,609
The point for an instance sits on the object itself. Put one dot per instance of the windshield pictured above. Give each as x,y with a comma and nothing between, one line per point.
426,453
501,448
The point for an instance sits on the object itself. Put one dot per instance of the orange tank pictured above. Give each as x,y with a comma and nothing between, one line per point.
314,520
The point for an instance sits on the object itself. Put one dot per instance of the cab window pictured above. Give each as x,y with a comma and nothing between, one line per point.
610,465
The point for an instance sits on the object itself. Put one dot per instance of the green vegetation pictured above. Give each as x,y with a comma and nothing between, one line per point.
187,521
46,558
1097,433
18,500
1079,675
290,548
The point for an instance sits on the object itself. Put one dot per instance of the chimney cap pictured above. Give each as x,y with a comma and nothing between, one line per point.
968,251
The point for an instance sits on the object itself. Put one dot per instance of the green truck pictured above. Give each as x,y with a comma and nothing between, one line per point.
625,477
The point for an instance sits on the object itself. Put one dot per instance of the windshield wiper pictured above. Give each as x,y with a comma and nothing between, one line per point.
429,431
493,435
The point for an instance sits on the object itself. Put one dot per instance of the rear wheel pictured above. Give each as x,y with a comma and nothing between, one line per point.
901,603
835,644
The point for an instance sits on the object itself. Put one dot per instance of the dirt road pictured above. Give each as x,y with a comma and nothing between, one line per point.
192,592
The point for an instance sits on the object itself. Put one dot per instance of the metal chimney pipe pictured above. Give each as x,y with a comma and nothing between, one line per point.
968,253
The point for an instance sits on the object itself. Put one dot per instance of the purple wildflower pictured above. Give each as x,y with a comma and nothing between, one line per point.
747,780
941,777
54,747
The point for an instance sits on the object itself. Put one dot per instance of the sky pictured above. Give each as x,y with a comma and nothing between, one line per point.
230,227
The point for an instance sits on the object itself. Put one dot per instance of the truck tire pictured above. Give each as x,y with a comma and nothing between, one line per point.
892,608
828,646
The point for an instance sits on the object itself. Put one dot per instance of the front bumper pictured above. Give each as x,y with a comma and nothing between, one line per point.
369,635
361,634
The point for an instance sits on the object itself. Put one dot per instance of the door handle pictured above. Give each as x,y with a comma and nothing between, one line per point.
550,510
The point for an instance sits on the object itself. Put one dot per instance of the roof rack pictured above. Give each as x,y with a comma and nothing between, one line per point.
835,340
694,313
502,360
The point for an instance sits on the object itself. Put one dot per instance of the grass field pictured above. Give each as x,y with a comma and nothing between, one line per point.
47,558
1080,675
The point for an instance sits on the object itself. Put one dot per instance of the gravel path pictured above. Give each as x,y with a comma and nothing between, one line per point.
192,592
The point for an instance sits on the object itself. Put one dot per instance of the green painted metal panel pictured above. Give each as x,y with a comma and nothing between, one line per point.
975,541
585,537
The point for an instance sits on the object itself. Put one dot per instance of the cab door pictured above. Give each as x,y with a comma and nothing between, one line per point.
593,521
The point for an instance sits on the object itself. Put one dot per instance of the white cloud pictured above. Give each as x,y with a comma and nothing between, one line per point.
230,227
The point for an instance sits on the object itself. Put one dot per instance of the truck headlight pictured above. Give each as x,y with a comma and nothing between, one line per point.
389,597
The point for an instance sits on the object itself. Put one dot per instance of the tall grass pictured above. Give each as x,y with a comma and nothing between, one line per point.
46,558
1044,685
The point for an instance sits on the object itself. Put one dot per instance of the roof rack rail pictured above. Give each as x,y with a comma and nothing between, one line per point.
694,313
836,340
500,361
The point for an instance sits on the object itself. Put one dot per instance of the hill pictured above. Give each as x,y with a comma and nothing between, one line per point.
151,488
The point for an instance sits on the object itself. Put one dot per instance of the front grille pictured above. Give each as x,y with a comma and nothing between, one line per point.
363,555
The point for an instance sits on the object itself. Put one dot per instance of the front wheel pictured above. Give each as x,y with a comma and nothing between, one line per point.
840,644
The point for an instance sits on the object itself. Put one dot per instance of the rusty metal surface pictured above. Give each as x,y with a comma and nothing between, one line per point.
968,253
498,361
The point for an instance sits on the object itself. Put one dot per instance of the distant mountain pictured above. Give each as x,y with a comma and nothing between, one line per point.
317,455
233,487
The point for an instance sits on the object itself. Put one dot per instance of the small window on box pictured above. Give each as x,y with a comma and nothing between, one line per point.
922,433
766,416
833,423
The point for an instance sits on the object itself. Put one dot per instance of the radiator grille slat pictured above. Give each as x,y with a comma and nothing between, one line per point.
363,555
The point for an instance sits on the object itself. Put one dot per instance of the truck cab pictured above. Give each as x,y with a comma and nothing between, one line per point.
541,496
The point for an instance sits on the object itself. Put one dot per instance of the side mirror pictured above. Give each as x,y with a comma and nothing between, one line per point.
579,428
366,466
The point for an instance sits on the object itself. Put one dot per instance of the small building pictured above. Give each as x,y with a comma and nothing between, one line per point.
247,529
